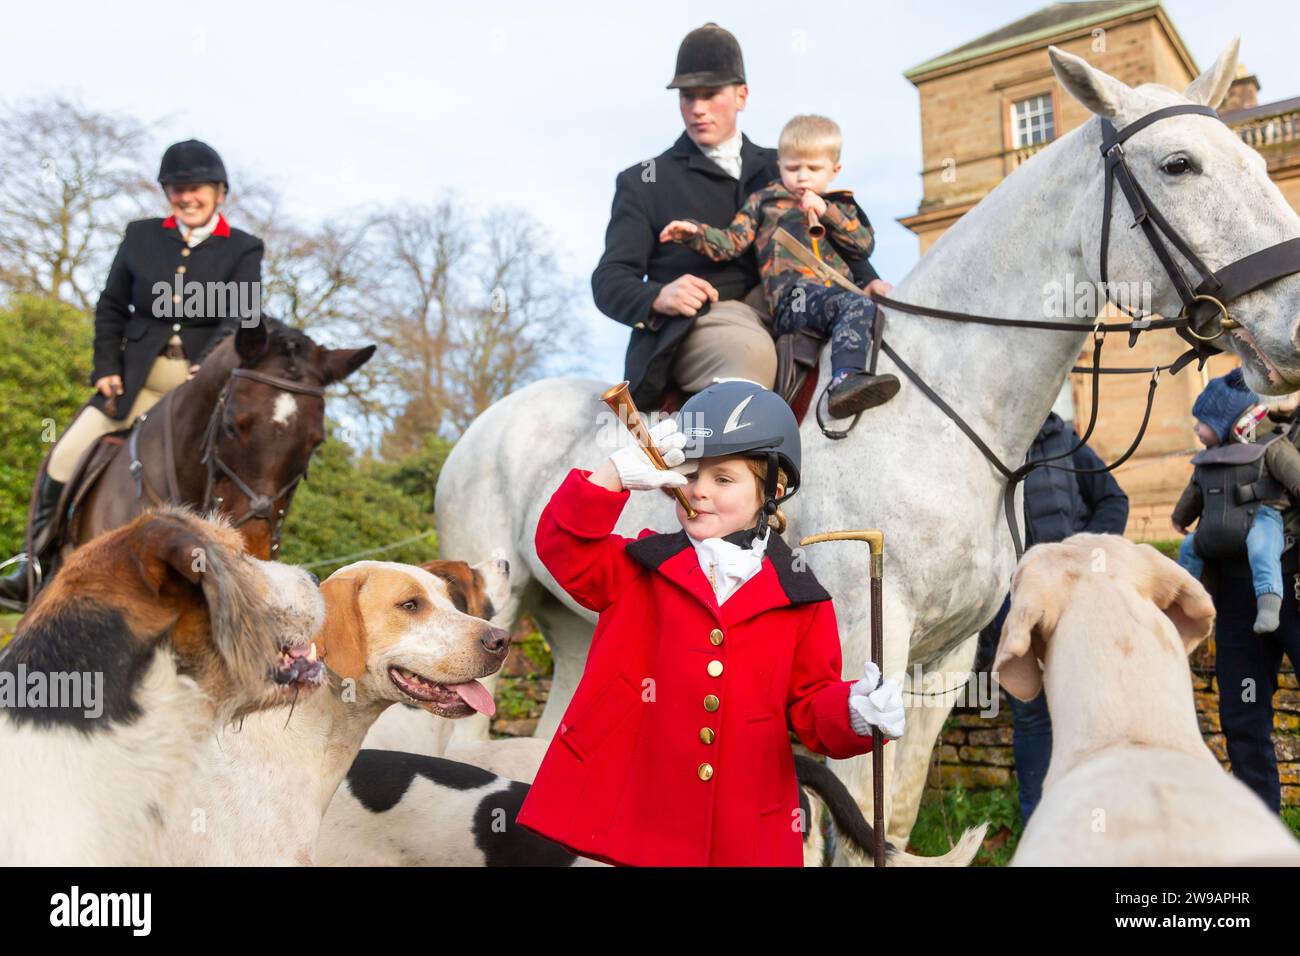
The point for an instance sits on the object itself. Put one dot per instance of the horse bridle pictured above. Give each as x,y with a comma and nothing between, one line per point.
1203,304
1208,301
260,506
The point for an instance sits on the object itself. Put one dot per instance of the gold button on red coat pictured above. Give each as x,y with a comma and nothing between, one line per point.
705,771
707,735
715,637
715,668
711,703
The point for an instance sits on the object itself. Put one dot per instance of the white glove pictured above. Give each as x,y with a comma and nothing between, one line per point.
635,469
876,703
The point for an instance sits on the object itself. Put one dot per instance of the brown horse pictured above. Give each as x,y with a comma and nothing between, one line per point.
236,439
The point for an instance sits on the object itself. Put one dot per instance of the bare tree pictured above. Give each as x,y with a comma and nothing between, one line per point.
423,256
70,180
516,323
470,308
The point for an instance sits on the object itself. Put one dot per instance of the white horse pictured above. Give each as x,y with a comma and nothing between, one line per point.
904,468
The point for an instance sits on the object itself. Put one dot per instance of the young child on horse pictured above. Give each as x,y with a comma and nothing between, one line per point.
1238,491
712,643
808,154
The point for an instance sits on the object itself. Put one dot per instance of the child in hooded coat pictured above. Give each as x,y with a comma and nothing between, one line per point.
1227,412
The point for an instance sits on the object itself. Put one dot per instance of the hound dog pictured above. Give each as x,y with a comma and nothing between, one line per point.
169,630
1131,781
393,633
402,809
479,590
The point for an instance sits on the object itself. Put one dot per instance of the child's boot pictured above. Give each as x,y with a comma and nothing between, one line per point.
854,390
1267,608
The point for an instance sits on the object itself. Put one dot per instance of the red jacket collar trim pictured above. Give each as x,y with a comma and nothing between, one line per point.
222,228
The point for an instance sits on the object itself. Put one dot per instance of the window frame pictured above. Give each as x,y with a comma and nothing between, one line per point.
1048,97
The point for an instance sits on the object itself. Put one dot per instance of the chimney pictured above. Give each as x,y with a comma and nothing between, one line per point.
1244,92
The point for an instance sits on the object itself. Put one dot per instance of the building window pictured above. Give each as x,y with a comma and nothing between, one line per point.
1032,121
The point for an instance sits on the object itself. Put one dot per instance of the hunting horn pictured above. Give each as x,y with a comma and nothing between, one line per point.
815,229
619,399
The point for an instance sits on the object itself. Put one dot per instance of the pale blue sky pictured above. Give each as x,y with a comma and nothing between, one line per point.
535,105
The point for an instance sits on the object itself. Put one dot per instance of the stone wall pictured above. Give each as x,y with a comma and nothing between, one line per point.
975,751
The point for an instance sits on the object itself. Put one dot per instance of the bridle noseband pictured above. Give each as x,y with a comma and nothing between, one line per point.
259,506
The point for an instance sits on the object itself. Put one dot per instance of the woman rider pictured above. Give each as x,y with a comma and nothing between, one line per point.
146,341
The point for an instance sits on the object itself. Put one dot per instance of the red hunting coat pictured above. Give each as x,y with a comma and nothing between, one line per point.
675,749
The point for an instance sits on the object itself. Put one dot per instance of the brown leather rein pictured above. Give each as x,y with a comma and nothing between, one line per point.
1204,316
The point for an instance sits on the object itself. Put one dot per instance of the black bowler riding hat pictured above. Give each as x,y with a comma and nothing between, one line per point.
191,162
709,56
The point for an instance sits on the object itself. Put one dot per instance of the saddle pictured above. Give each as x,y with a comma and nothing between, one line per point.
798,359
92,465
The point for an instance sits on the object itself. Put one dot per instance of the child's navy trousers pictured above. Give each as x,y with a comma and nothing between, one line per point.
842,316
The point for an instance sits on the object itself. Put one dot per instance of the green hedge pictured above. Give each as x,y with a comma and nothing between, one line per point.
44,370
350,506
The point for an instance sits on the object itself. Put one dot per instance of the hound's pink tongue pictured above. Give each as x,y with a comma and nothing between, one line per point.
476,695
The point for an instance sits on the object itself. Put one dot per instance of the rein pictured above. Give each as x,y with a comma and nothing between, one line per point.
1203,318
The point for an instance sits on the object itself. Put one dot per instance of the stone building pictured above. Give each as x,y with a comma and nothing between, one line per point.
990,104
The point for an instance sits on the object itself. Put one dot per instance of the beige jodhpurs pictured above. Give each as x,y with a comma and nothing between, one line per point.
164,375
732,340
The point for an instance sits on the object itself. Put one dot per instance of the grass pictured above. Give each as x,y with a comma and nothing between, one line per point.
1291,817
1169,548
946,814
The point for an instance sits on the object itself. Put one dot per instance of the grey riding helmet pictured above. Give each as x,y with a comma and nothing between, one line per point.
739,417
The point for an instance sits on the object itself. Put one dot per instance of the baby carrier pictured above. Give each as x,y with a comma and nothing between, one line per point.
1234,483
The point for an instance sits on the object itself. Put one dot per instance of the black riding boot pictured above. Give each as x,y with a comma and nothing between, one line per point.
13,586
860,391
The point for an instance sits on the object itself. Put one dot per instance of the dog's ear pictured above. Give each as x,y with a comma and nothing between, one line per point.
455,577
1036,587
341,642
165,546
1183,598
1016,662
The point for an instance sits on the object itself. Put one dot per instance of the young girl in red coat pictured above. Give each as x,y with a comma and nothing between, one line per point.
711,645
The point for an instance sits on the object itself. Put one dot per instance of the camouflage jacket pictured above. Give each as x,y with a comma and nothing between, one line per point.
756,223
